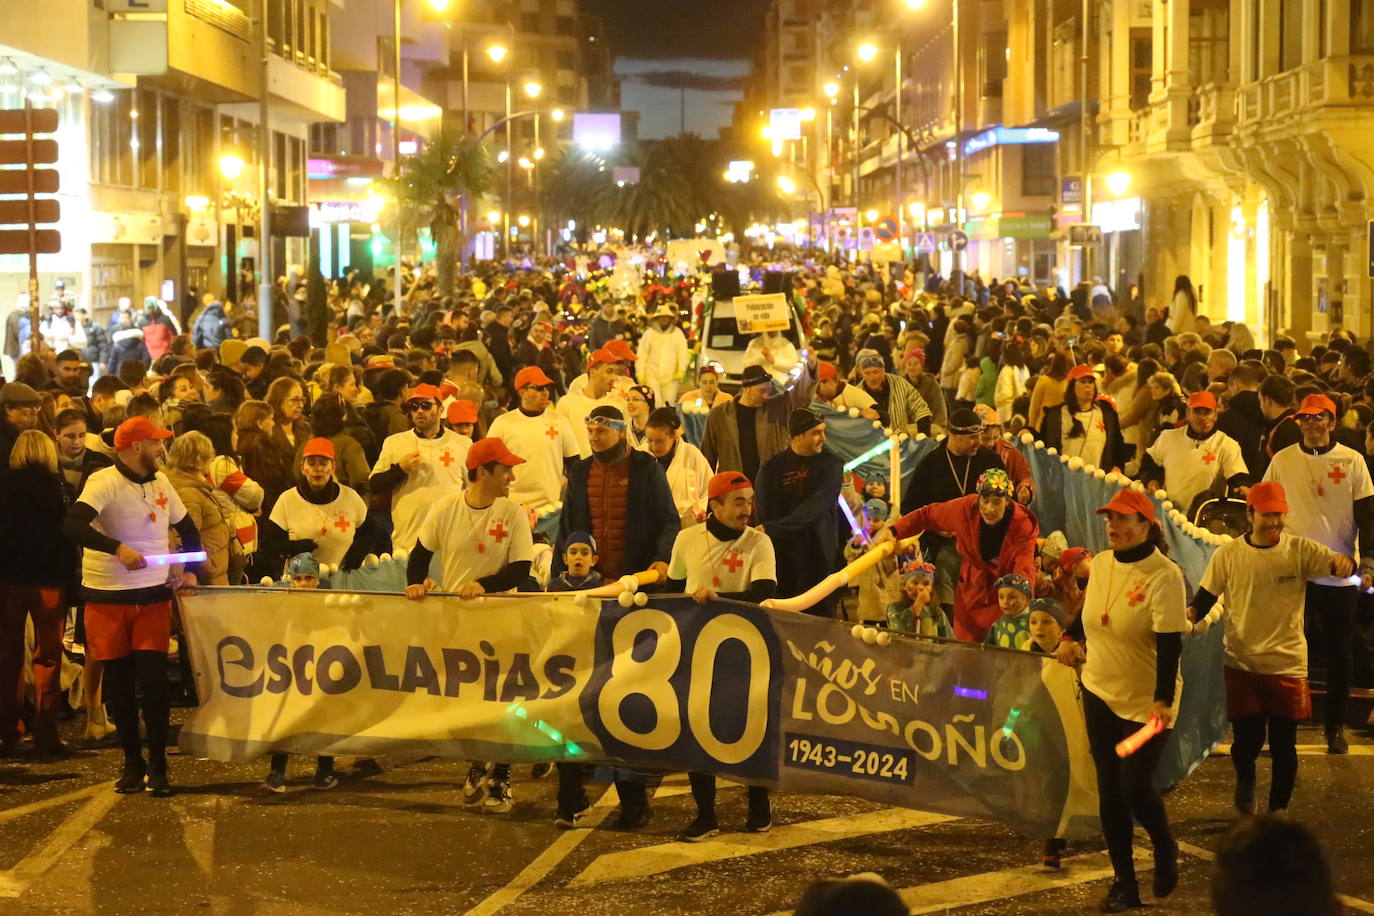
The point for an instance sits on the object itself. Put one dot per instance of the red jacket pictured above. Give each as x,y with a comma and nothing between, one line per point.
975,597
1018,468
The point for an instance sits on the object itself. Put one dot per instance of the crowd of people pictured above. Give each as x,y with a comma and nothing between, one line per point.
442,429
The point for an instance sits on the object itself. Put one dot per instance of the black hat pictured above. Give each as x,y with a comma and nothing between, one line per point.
254,356
964,422
666,417
802,420
754,375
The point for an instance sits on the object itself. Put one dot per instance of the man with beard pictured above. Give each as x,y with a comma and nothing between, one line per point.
20,405
1187,460
952,469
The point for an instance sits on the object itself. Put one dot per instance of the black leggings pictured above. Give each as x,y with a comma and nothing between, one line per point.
133,681
1125,785
1283,740
1332,609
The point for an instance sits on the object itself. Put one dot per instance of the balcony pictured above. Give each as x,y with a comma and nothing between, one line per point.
1333,82
1211,115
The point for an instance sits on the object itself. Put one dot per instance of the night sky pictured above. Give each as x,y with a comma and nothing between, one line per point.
668,51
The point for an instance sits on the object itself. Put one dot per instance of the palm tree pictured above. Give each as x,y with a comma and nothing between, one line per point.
433,189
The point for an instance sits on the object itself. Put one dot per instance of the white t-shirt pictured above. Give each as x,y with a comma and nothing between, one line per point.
443,470
1264,591
724,566
688,477
1191,465
476,543
1090,446
1140,599
1321,491
577,407
136,514
543,441
619,385
330,525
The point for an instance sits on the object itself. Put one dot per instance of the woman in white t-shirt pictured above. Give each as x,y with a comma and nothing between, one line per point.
1085,425
687,469
1128,641
319,516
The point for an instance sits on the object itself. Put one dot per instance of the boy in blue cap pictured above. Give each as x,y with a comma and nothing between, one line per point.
1012,629
579,560
304,572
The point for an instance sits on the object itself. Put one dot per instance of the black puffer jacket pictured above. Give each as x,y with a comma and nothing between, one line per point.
35,552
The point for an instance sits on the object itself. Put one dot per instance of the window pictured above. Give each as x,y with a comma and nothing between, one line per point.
171,144
147,133
564,25
1362,26
1038,169
529,22
1142,51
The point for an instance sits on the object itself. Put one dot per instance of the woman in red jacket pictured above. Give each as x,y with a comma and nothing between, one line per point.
994,536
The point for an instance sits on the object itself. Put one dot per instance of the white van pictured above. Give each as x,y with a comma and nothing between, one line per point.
724,345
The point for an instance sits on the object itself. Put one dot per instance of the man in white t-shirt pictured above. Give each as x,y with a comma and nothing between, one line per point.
121,520
724,558
318,515
602,368
1331,501
833,391
622,379
1262,576
419,466
1188,460
543,437
484,544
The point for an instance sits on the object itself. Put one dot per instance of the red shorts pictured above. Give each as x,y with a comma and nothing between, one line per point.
115,630
1276,695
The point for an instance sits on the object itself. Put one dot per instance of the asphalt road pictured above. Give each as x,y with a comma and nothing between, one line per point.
401,841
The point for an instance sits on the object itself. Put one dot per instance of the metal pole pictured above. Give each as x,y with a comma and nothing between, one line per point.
510,177
396,149
535,221
465,82
958,256
1083,125
901,153
265,278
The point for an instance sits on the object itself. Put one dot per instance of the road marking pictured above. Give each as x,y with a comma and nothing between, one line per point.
53,802
1355,903
17,880
1313,750
547,860
653,860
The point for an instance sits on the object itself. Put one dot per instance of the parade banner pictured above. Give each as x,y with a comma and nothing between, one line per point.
759,696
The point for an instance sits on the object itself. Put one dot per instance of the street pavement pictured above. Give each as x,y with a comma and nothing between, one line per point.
401,841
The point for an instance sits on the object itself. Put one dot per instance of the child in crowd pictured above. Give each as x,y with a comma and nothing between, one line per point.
880,584
914,612
579,558
1012,629
1048,550
1047,621
304,572
875,488
1071,580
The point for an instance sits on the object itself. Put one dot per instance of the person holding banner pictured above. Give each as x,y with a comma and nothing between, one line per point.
994,536
319,516
484,544
724,558
1127,644
1262,576
121,518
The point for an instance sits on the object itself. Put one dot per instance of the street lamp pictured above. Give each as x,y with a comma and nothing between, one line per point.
980,200
230,166
532,89
787,185
1118,183
868,51
832,89
557,114
497,53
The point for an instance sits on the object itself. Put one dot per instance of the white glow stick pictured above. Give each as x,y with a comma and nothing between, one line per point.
167,559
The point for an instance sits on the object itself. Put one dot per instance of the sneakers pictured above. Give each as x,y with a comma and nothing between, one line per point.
568,820
1054,852
760,819
158,786
1335,740
499,798
1166,871
325,779
275,781
540,770
1245,796
475,786
632,818
704,827
131,779
1120,897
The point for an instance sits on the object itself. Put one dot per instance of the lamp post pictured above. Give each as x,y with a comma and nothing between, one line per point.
265,284
532,90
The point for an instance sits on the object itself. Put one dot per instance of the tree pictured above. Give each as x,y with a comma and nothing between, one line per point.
432,189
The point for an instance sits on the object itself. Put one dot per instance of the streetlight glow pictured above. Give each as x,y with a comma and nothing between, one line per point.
808,114
524,162
832,89
497,53
230,166
867,51
787,185
493,216
532,89
1118,183
523,220
871,215
557,114
915,4
980,200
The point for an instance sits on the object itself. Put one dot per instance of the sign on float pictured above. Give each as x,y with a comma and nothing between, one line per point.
754,314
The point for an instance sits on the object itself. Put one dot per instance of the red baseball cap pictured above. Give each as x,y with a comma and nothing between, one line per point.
319,447
447,390
462,412
426,391
621,349
1315,404
1267,496
135,429
485,451
1202,399
1078,372
826,371
1073,556
726,481
1129,500
531,375
603,355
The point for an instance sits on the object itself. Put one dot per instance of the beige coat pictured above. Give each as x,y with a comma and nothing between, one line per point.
205,513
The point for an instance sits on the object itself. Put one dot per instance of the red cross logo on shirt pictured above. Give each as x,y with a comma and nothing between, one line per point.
732,561
499,532
161,500
1209,458
1136,596
446,458
1337,474
552,431
342,522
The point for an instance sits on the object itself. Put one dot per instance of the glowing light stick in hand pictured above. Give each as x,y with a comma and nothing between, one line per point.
859,531
169,559
1135,742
